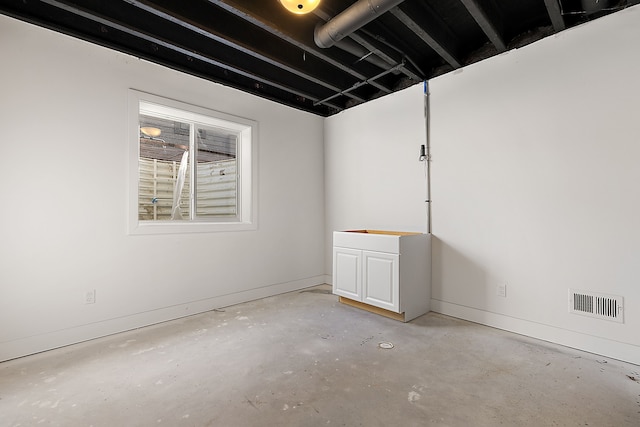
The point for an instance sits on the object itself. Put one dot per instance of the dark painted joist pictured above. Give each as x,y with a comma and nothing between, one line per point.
161,43
486,15
386,56
439,37
555,14
206,47
62,21
382,74
250,43
247,10
357,50
382,56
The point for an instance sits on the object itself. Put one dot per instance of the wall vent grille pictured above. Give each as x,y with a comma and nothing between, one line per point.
610,307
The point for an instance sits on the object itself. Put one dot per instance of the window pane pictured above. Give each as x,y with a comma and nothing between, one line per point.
163,143
194,168
217,174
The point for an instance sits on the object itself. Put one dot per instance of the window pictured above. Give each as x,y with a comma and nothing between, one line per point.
192,169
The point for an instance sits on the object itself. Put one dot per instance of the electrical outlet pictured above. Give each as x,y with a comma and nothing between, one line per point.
90,297
501,290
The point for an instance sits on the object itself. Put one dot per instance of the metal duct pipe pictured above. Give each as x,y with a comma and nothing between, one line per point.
351,19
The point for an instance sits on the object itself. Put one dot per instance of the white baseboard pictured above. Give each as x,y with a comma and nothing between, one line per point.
54,339
592,344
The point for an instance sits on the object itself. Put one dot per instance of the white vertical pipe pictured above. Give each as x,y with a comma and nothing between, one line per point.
427,114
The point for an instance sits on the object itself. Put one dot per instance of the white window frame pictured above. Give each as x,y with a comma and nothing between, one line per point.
247,165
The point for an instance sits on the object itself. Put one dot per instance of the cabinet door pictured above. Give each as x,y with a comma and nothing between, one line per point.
381,280
347,274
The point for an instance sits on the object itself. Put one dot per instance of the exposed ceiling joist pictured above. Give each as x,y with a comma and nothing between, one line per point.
555,14
184,51
332,57
363,51
350,20
250,44
390,70
261,48
386,56
485,13
435,38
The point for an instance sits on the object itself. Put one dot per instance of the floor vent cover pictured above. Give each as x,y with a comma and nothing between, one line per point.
593,304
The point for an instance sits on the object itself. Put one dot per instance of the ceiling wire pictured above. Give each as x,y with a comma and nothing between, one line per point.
391,46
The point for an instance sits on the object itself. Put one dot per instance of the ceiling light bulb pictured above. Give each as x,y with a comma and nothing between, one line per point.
300,7
149,131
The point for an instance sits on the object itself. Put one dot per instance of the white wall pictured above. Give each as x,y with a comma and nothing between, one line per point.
373,178
63,186
534,184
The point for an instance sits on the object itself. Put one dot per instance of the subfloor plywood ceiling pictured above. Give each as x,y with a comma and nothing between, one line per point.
341,54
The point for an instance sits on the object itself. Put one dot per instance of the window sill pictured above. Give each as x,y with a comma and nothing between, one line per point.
185,227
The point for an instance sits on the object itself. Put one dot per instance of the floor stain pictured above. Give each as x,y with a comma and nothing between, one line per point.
137,353
250,402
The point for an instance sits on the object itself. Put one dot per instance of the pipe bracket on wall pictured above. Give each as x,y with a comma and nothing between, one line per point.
423,153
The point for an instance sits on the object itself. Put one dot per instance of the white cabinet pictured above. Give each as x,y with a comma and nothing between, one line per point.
381,279
347,272
384,269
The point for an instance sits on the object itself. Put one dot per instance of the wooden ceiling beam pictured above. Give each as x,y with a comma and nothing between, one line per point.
555,14
110,22
248,11
436,38
252,45
485,13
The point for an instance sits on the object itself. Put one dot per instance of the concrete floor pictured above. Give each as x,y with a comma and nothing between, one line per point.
303,359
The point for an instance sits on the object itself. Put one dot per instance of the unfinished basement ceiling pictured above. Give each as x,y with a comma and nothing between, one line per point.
261,48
